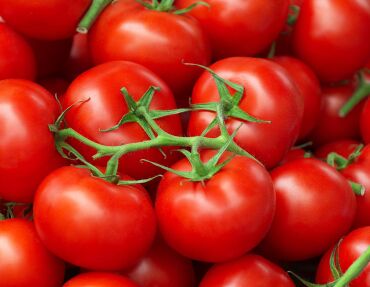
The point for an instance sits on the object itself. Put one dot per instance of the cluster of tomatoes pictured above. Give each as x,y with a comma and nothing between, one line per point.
284,81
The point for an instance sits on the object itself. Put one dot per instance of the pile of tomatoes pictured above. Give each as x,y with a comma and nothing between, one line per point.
249,116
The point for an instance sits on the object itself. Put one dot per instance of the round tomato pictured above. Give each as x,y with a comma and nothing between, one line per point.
93,223
99,279
24,261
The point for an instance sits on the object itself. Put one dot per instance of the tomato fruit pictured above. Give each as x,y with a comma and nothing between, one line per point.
99,279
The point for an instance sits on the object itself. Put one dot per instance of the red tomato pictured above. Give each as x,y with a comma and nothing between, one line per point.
269,95
365,122
293,154
24,261
16,57
365,155
162,267
27,152
99,279
249,270
239,27
219,219
106,226
335,52
309,87
315,206
47,19
102,86
160,41
352,246
342,147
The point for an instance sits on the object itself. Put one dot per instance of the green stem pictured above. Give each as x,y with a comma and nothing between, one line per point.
354,270
357,188
292,18
95,9
272,51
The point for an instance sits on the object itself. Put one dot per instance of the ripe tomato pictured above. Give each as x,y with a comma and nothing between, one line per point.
239,27
249,270
16,56
24,261
326,47
269,95
99,279
219,219
106,226
101,85
350,248
27,152
315,206
342,147
47,19
160,41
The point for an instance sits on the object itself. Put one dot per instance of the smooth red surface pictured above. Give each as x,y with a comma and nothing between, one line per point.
99,279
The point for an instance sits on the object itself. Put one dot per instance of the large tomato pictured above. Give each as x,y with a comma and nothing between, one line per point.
315,206
106,106
99,279
93,223
239,27
27,152
221,218
334,51
24,261
269,95
47,19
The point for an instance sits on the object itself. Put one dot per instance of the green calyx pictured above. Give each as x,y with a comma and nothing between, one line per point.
168,6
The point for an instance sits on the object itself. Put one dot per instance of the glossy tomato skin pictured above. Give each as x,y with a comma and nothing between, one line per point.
99,279
326,47
249,270
27,151
239,27
162,267
365,122
16,56
24,261
269,95
102,85
51,19
342,147
315,206
350,248
309,87
107,227
160,41
220,219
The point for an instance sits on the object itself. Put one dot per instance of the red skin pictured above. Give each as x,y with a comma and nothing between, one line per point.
126,31
309,87
352,246
162,267
315,206
27,147
249,270
342,147
293,154
330,126
24,261
239,27
365,122
220,220
365,155
121,220
16,56
99,279
264,82
51,19
326,47
56,86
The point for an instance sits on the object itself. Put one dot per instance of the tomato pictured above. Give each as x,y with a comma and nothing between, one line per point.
335,52
342,147
269,95
16,57
101,85
350,248
315,206
162,267
47,19
160,41
99,279
365,155
249,270
331,127
221,218
309,87
27,152
92,223
24,261
365,122
293,154
239,27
